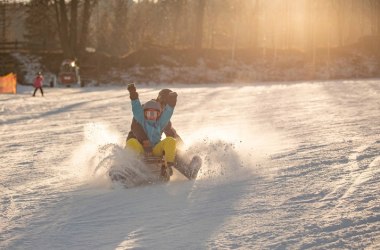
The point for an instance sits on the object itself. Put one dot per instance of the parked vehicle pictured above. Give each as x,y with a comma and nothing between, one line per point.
69,73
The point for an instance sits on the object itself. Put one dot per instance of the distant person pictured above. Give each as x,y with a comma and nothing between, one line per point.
38,83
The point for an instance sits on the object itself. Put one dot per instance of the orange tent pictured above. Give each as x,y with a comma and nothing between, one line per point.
8,83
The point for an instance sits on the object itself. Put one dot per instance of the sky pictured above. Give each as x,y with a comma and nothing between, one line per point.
290,165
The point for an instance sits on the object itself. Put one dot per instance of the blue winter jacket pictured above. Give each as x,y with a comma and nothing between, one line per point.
153,129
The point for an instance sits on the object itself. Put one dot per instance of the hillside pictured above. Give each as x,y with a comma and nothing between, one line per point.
163,65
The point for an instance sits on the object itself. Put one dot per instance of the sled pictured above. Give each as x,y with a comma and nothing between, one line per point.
147,171
159,167
131,171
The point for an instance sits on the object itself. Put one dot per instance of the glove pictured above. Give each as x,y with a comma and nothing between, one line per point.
163,95
172,99
132,91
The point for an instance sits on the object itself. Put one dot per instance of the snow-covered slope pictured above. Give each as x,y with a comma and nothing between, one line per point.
285,166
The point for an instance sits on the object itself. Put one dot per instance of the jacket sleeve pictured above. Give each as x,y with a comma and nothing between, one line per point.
165,116
137,132
138,112
169,131
131,135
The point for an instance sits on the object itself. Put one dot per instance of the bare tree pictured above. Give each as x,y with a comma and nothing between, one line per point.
198,37
63,27
221,24
39,25
68,27
86,16
119,35
3,20
254,34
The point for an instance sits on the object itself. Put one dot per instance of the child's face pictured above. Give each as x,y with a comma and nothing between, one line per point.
151,114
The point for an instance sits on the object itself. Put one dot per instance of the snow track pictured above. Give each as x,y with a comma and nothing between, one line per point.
290,166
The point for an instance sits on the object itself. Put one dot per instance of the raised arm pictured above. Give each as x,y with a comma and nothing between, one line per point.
168,110
137,110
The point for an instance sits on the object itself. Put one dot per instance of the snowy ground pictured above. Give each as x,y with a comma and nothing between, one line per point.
291,166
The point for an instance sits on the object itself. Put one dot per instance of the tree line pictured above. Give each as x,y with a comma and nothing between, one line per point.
119,27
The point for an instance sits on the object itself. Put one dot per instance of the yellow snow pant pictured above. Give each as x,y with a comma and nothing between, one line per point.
167,145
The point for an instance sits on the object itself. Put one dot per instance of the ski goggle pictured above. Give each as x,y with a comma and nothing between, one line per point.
151,114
